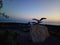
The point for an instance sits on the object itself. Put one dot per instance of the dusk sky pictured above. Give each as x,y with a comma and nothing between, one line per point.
28,9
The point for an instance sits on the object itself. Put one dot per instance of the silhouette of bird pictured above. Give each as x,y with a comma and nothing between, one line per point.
39,21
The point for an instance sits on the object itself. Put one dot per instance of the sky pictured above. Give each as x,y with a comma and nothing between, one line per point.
28,9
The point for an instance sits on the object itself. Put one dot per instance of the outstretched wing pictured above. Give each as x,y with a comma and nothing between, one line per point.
35,19
42,18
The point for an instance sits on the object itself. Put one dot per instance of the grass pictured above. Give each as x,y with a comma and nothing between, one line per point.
55,33
8,37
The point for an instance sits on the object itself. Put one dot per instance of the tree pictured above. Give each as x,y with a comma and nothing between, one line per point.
3,14
1,4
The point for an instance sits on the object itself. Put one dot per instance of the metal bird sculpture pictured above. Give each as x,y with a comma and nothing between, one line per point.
39,21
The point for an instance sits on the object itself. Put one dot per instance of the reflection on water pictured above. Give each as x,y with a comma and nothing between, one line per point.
52,23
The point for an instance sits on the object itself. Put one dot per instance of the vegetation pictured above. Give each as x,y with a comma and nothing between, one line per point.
55,33
9,37
2,14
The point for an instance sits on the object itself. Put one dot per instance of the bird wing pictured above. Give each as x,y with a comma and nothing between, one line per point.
42,18
35,19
